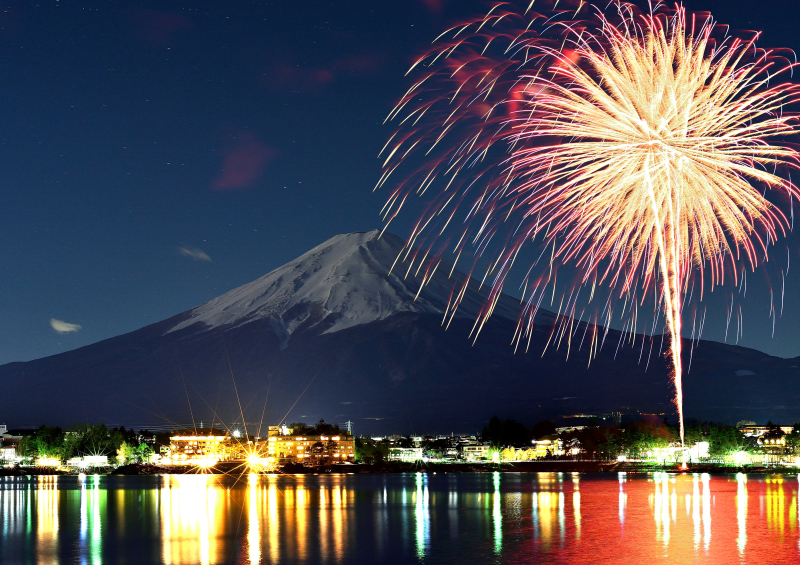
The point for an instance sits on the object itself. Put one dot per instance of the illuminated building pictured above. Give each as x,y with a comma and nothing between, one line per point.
443,453
699,450
475,452
88,461
8,445
774,448
202,444
282,430
311,449
758,431
548,446
405,454
8,453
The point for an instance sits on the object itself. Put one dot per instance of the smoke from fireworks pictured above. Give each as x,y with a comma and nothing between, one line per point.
647,149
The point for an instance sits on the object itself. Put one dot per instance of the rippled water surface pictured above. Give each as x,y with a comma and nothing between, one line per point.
410,518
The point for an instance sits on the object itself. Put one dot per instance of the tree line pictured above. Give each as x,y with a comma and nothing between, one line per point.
81,440
636,439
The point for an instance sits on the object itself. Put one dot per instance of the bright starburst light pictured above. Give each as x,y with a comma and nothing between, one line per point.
648,149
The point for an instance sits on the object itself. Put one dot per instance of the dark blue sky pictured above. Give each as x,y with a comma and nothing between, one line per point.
140,139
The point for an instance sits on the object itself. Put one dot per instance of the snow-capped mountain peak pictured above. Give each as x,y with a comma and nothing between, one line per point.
346,281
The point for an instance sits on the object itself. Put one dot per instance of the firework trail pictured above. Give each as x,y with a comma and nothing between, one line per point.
645,148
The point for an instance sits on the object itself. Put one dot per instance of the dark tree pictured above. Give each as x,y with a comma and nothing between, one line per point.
48,442
323,429
773,431
128,436
162,440
301,429
544,428
371,451
320,429
590,440
505,433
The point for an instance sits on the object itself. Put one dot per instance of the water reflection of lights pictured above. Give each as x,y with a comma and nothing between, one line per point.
253,519
698,505
421,514
696,510
661,511
266,519
741,511
706,510
274,524
792,509
497,515
324,546
452,506
623,498
93,502
547,512
188,513
289,515
301,515
47,517
576,504
339,503
15,504
775,503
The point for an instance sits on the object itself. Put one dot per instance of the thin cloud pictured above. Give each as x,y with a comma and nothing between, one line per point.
194,253
286,78
63,327
434,6
243,162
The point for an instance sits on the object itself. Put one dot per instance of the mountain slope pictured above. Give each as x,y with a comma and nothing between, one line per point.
333,335
344,282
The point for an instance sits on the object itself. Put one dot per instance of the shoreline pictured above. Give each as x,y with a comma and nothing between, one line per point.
552,466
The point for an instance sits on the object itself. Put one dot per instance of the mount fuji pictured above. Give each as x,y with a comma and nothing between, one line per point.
344,332
343,283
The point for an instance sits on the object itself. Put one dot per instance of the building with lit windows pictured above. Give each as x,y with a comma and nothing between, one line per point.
475,452
773,448
312,450
200,445
8,445
8,453
758,431
405,454
548,446
88,461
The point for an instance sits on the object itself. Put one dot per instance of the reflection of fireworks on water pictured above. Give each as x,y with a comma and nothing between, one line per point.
635,145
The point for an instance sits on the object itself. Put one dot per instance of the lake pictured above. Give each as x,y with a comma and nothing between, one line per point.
401,518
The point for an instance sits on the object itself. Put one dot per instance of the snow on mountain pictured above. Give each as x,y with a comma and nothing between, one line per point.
345,282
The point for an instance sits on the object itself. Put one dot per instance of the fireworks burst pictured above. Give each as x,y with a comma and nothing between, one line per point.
647,149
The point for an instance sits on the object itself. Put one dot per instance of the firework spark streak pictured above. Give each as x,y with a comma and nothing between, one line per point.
647,149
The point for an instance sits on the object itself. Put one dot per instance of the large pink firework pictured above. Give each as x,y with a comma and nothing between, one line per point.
647,149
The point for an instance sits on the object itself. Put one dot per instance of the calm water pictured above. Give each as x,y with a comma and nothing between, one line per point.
412,518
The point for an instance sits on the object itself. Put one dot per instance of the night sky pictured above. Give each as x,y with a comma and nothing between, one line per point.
154,155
